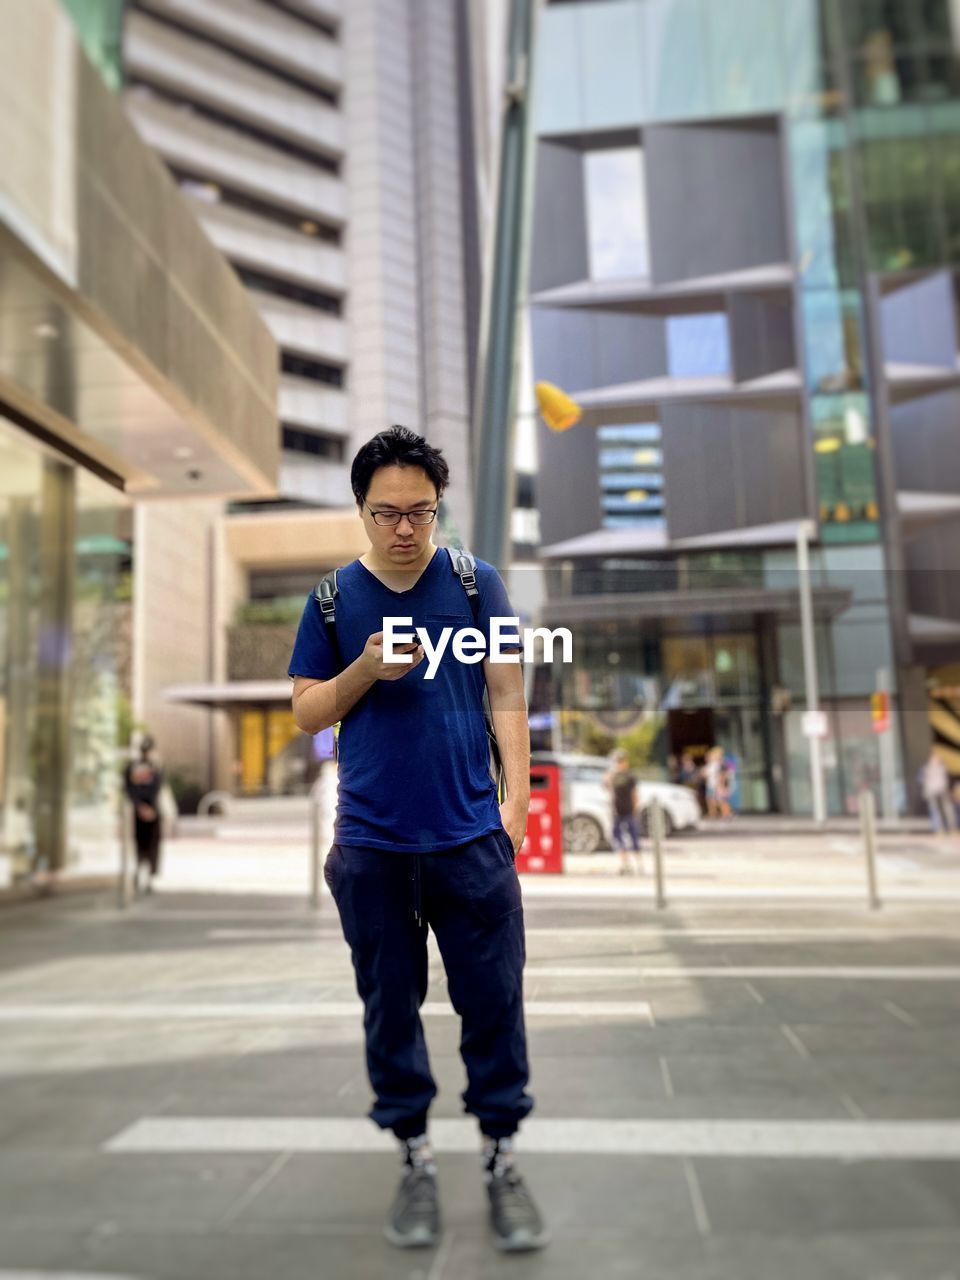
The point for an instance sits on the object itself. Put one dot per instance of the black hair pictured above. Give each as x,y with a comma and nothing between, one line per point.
398,447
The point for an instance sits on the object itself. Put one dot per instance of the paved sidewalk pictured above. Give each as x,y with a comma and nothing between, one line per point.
725,1092
732,862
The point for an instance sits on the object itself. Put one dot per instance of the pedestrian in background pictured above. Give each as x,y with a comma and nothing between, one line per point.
143,782
712,770
935,785
723,788
624,789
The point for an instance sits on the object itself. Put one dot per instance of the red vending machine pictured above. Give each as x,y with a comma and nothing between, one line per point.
542,850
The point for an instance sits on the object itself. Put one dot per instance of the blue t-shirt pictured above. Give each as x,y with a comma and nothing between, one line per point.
414,757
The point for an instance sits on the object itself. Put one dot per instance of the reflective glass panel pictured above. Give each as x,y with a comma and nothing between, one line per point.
746,67
832,325
612,71
21,484
557,81
947,152
619,242
825,247
698,346
901,22
676,65
809,77
897,160
845,468
101,621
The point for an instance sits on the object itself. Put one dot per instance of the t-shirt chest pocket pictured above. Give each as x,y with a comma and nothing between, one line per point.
436,623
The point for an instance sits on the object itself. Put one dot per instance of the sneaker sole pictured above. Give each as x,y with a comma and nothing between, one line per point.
522,1244
423,1239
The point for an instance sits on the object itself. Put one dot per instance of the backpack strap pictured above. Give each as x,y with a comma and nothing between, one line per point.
325,593
465,567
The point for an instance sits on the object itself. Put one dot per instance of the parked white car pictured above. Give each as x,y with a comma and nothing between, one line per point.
586,804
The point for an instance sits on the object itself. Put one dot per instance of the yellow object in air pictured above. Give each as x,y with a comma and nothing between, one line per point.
556,408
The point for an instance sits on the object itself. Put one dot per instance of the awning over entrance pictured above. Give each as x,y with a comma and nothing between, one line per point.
231,693
650,542
742,603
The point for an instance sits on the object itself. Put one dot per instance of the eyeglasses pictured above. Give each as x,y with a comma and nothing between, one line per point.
391,518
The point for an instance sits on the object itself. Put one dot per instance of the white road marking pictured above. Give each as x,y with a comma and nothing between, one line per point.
856,1111
754,993
253,1191
442,1255
847,973
795,1041
278,935
783,895
786,1139
901,1015
274,1012
696,1198
667,1078
856,931
330,934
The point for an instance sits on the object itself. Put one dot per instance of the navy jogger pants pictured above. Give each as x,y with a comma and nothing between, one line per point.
470,897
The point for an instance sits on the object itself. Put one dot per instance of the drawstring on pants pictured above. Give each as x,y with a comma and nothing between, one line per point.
417,892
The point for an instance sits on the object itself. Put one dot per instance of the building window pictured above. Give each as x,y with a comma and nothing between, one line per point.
846,477
316,370
310,442
631,476
618,238
698,346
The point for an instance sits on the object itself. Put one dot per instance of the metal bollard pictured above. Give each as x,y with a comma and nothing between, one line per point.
656,838
868,829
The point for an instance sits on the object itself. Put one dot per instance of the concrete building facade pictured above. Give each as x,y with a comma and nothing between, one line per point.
326,150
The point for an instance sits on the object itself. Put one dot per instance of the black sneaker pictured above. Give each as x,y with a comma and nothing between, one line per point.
514,1216
414,1221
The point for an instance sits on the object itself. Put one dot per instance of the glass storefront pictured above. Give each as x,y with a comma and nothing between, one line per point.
661,693
63,560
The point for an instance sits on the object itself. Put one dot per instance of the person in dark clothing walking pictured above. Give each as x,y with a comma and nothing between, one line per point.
142,781
421,841
624,793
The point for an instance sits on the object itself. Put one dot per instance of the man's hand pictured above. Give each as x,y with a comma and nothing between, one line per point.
377,669
513,815
146,812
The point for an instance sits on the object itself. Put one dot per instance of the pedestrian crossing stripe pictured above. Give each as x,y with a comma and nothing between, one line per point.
783,1139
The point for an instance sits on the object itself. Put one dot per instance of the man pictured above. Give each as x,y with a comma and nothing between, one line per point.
143,781
624,793
421,841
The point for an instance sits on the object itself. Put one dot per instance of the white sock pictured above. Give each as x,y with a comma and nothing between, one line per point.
497,1156
418,1153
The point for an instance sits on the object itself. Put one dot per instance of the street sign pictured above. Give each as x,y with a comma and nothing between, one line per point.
880,712
815,724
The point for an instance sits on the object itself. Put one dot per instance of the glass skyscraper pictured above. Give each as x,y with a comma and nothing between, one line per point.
743,266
